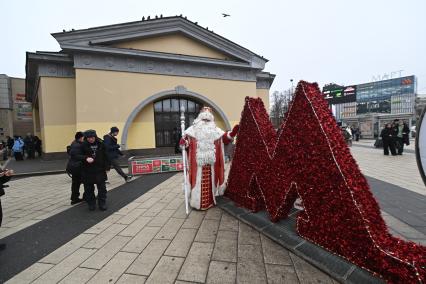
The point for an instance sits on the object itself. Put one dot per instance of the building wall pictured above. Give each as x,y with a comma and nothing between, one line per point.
57,103
264,95
173,43
106,98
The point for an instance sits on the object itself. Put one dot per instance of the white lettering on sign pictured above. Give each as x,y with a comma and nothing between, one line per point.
386,76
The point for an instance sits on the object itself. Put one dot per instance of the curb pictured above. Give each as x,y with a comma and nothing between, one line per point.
44,173
284,233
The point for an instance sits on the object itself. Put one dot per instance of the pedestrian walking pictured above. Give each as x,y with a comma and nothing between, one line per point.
405,134
37,145
5,176
388,140
18,148
74,166
398,135
9,143
94,169
113,152
29,146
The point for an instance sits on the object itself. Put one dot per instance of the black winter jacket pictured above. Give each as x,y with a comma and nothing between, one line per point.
386,133
94,172
3,180
112,148
76,157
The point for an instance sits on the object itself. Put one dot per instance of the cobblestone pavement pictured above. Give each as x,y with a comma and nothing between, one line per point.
398,170
30,200
151,240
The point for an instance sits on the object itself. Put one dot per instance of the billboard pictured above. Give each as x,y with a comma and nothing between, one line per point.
23,109
335,94
140,166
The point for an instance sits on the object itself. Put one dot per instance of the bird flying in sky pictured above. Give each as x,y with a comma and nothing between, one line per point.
225,15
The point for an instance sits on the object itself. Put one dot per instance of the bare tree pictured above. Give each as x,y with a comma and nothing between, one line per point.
280,103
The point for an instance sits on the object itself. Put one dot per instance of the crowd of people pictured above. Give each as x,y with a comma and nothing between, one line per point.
394,136
21,148
90,158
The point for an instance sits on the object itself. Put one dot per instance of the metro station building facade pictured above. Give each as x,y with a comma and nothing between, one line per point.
136,76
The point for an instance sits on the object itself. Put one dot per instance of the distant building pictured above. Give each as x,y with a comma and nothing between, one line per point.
15,112
370,106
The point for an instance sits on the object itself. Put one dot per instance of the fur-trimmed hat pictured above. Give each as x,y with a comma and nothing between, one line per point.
90,133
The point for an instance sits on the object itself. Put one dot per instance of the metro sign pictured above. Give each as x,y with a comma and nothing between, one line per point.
269,172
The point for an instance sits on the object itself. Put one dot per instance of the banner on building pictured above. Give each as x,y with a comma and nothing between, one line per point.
23,109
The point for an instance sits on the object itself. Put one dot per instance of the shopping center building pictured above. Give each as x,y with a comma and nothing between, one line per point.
15,112
370,106
136,76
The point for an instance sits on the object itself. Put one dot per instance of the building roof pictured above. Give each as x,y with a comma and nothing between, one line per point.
97,39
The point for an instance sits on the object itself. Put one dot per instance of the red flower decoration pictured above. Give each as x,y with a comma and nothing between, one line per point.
310,159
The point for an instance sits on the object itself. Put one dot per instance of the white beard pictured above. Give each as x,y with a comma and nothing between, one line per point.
206,133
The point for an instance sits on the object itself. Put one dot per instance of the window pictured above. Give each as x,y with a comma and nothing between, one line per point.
167,119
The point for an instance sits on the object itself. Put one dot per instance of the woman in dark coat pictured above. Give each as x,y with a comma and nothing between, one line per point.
388,142
5,176
94,170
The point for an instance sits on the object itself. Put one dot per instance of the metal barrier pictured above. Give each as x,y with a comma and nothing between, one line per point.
139,165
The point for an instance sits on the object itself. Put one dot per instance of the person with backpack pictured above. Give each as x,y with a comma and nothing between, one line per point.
113,152
74,166
94,169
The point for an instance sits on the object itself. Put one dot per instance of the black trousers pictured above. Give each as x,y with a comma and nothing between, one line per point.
116,166
75,187
18,156
89,193
388,144
399,144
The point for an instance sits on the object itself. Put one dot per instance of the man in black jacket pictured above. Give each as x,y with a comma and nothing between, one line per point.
388,140
113,151
94,170
74,166
5,176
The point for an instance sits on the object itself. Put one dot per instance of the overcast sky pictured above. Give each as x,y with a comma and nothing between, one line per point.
346,42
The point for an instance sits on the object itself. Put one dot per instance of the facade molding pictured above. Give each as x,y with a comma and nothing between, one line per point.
113,51
162,67
55,70
136,30
180,91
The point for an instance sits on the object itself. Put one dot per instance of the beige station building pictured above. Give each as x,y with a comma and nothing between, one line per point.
136,76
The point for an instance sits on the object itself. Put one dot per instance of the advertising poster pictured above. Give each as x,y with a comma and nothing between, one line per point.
23,109
155,165
337,94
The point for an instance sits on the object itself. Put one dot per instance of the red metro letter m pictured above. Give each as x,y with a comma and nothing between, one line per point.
309,158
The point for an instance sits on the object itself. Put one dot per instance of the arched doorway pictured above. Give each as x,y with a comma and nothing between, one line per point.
167,119
180,92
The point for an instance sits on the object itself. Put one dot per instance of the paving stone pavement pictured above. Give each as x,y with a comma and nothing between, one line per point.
30,200
398,170
151,240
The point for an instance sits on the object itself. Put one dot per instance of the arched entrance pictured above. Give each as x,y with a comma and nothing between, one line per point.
167,119
179,92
